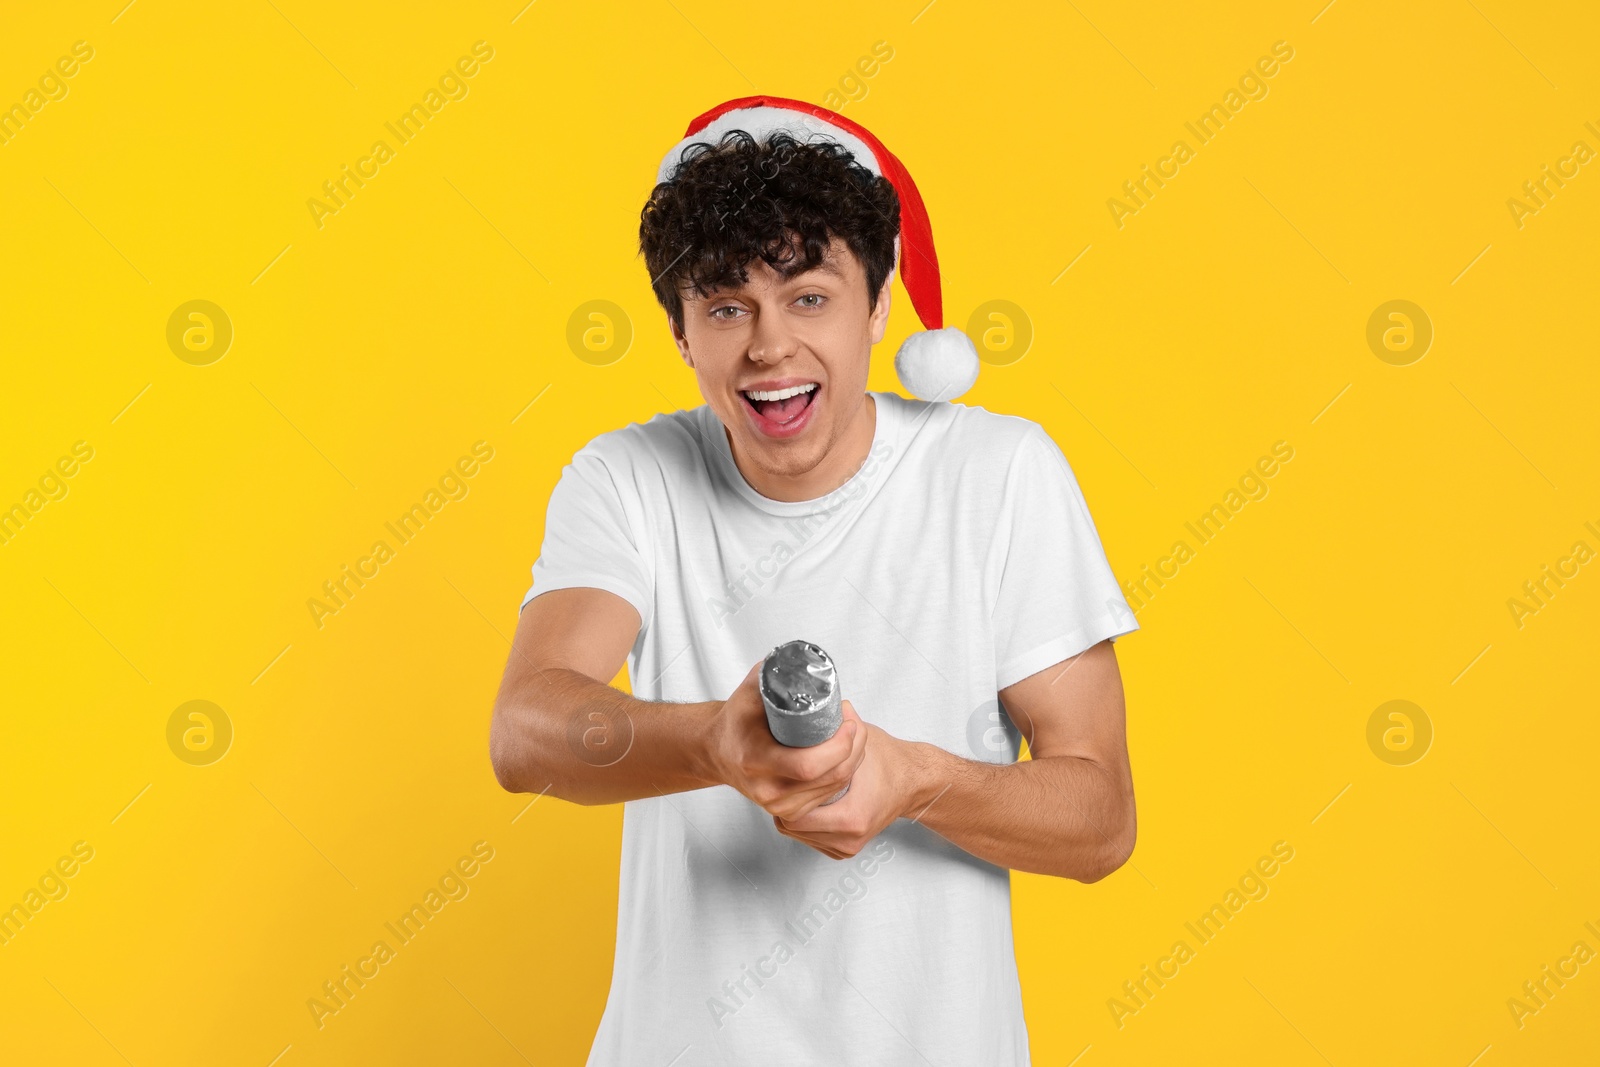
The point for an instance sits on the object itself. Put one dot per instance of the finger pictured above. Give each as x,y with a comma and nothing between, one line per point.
798,801
807,765
826,850
858,747
750,677
821,845
844,771
816,816
797,806
846,746
843,844
829,787
837,765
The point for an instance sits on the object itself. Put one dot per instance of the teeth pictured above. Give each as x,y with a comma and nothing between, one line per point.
779,394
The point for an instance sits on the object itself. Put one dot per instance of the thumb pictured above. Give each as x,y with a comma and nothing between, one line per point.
750,675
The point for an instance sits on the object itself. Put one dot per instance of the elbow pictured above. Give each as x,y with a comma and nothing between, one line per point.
503,772
1115,848
1107,861
510,770
518,769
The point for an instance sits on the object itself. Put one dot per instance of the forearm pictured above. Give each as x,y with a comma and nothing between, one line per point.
1060,815
568,735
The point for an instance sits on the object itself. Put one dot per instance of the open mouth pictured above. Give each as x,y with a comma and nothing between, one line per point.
781,412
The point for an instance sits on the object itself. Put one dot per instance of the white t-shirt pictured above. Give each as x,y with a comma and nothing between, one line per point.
959,559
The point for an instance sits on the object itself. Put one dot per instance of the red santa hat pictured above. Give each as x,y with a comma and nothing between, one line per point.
936,363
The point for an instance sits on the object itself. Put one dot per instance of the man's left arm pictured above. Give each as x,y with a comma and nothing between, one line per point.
1068,811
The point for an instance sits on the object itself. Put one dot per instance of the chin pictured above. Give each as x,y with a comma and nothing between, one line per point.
788,459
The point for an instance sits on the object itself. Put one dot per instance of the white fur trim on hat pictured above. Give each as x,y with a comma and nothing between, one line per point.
761,123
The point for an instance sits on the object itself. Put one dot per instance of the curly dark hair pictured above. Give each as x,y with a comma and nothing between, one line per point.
782,200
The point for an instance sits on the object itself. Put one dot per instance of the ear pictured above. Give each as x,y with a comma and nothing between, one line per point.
681,341
878,321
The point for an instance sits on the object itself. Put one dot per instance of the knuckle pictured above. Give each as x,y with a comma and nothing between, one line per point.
809,767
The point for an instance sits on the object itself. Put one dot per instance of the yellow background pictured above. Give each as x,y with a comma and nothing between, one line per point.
369,354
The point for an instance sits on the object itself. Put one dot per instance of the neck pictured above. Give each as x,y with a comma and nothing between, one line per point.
844,458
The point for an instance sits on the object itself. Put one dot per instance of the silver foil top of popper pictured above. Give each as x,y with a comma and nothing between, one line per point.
800,690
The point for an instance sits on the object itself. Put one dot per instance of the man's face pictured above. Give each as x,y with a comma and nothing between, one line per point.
810,336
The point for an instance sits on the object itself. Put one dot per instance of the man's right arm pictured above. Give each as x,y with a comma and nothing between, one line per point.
558,727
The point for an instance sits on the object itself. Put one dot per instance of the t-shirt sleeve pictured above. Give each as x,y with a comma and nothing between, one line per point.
1057,595
589,540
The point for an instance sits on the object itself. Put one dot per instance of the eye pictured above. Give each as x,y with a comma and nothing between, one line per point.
817,300
717,313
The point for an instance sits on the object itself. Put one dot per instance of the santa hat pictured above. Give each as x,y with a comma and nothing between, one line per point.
936,363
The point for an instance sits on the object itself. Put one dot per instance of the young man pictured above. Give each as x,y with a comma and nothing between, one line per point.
942,555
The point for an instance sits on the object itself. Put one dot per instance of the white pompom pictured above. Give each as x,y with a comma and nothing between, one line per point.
937,364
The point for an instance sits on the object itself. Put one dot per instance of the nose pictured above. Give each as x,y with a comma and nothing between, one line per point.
772,340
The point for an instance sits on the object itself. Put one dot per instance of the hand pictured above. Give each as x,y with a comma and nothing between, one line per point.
785,782
882,791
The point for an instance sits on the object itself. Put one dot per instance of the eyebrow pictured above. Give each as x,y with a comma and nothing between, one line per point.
827,266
